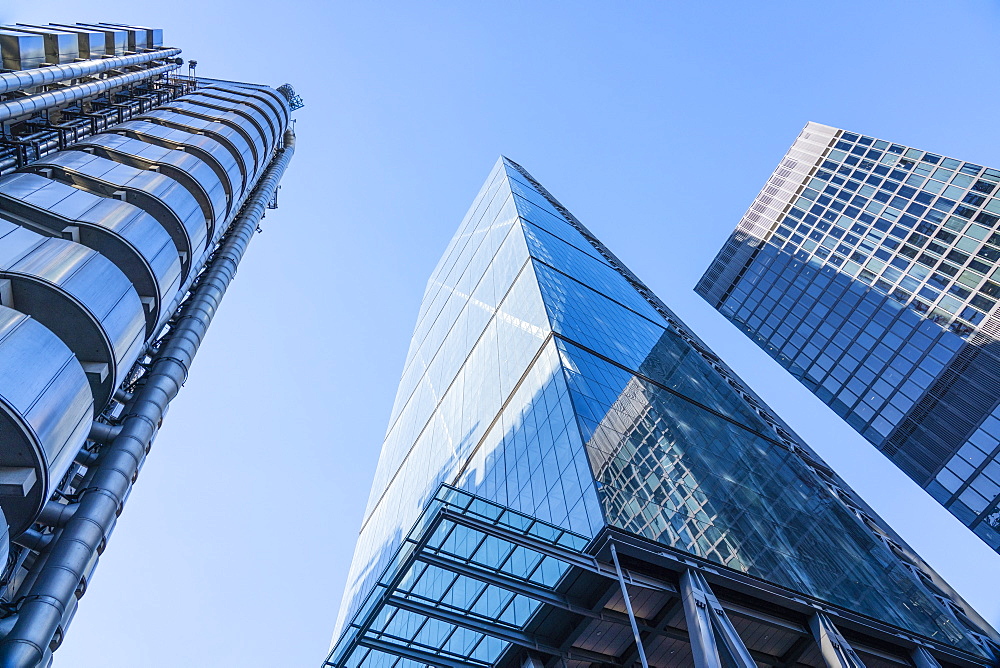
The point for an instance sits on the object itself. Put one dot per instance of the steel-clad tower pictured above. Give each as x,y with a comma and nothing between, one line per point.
570,478
128,195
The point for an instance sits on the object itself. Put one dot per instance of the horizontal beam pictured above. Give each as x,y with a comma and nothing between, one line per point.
499,631
414,654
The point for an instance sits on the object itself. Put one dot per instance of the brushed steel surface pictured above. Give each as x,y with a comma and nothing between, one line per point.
132,239
80,296
45,410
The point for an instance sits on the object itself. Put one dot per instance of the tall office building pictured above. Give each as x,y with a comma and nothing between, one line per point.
128,195
570,478
871,271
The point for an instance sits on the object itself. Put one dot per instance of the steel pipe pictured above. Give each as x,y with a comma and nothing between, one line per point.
27,106
22,79
54,590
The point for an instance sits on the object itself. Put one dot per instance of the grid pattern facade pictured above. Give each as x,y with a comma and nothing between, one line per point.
874,280
543,377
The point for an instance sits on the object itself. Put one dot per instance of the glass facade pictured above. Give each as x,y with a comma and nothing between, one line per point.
553,395
870,271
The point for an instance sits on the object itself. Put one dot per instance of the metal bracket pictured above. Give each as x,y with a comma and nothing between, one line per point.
706,620
836,651
923,659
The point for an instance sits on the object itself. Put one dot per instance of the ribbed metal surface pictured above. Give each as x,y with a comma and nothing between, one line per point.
101,244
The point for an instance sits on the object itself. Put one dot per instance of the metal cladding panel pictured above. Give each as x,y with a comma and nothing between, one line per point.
243,126
92,42
231,139
264,99
45,408
79,295
220,159
21,51
254,110
132,239
159,195
115,39
143,37
186,168
60,46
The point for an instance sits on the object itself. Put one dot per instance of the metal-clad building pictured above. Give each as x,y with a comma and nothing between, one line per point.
871,271
128,195
570,478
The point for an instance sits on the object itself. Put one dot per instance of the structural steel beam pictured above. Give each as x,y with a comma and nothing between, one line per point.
836,651
500,631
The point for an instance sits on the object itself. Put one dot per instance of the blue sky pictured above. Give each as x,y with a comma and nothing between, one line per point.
655,123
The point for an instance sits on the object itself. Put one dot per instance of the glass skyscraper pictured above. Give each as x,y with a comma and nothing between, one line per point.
871,271
128,195
571,478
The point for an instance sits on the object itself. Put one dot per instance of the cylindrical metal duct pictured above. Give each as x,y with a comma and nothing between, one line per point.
23,79
54,590
33,104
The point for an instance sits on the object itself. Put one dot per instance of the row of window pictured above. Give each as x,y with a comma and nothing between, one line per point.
840,204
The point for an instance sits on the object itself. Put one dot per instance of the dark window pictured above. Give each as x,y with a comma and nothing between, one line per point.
927,260
965,212
984,187
989,253
981,267
982,303
972,199
987,219
958,257
990,289
960,291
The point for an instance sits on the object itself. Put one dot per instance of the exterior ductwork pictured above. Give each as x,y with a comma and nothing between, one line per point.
36,449
33,104
125,234
25,79
74,551
125,205
170,203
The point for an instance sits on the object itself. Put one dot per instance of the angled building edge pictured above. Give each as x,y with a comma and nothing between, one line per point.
570,477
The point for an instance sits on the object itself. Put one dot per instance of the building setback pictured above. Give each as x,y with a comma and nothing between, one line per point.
870,271
571,478
128,195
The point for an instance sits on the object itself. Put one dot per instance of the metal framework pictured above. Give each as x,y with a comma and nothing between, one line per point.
190,182
477,585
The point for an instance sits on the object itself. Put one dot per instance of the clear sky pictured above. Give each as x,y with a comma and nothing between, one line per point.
656,123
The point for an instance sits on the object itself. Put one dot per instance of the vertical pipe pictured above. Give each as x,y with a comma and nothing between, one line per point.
628,606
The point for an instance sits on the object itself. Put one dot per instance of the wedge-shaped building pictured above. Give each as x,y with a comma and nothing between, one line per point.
128,195
571,478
